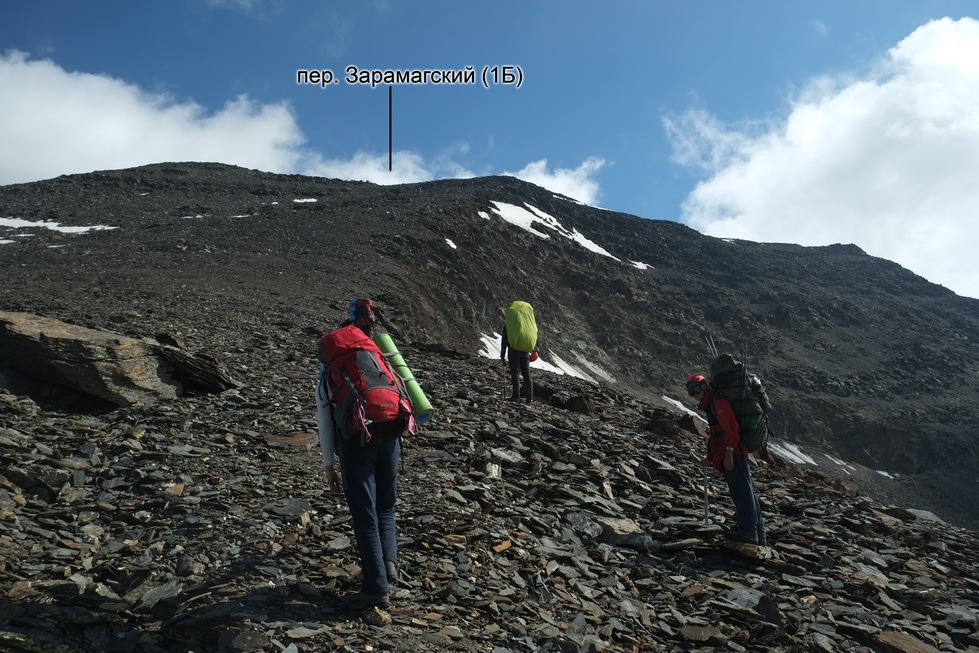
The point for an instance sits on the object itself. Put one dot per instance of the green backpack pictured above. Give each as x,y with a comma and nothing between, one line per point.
748,398
521,328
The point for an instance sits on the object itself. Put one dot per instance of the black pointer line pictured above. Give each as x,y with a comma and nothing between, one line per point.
390,133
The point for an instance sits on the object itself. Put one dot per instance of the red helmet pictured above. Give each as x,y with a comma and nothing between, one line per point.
534,356
696,383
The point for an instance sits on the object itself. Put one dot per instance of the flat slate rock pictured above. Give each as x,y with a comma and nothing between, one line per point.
204,523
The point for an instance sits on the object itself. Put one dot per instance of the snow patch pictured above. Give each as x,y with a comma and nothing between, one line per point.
847,467
561,366
594,369
681,406
528,218
491,345
491,349
17,223
791,452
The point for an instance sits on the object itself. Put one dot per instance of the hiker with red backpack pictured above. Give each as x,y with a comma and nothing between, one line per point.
518,345
363,410
729,454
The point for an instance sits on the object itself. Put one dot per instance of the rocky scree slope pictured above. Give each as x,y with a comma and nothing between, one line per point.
863,358
202,524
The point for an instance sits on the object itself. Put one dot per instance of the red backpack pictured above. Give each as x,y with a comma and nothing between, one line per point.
369,399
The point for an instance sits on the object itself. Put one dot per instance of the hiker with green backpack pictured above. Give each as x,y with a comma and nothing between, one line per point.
518,346
727,450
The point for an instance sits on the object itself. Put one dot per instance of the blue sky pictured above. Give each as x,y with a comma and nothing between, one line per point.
807,122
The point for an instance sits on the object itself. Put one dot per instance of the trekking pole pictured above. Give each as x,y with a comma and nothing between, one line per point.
503,377
706,500
744,371
711,345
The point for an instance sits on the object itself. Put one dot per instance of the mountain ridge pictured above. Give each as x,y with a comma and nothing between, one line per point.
862,357
581,522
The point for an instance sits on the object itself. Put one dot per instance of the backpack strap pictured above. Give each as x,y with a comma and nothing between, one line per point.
360,423
412,425
713,411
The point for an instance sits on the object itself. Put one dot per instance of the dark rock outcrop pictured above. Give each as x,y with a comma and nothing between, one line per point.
49,356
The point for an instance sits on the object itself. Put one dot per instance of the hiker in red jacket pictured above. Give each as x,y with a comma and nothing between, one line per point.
729,456
368,479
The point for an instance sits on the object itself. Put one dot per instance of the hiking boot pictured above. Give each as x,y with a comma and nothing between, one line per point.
762,538
392,568
749,538
361,600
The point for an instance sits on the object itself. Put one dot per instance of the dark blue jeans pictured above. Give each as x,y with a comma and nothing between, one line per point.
520,367
747,508
370,476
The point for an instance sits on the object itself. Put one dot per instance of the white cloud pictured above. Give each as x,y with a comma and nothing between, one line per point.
232,4
577,184
254,7
887,162
55,122
405,168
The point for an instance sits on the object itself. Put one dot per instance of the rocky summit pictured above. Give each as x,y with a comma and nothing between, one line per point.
190,513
